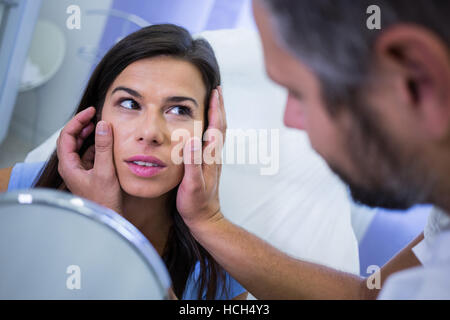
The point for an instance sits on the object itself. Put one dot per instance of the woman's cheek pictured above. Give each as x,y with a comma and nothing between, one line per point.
176,151
177,174
175,159
118,155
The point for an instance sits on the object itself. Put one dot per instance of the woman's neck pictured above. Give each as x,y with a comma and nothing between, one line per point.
151,217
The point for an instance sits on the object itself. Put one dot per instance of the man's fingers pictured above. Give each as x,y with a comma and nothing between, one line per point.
88,158
78,122
103,163
68,144
218,118
192,152
212,162
214,120
222,109
216,131
87,130
68,138
84,134
216,115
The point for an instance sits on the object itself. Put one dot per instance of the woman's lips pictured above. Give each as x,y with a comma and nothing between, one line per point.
142,170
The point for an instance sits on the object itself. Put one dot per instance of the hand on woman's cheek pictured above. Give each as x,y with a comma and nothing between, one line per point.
97,182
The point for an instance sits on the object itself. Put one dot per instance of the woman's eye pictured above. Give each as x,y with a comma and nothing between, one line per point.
129,104
180,110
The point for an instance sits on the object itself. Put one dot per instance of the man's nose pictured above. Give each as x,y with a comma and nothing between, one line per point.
151,129
293,114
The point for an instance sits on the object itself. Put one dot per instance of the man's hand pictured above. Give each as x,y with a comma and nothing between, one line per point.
198,193
93,176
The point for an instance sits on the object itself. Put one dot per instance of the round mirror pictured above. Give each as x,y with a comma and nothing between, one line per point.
54,245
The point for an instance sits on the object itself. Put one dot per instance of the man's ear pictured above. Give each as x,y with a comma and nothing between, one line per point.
425,63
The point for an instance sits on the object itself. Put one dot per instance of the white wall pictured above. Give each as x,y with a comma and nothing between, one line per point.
246,19
40,112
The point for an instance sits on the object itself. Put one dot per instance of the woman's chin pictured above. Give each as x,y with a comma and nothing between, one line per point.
150,188
144,193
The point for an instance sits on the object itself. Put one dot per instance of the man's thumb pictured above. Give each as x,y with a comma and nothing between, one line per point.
103,144
192,156
192,153
103,136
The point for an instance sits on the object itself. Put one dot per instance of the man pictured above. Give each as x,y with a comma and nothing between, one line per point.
376,106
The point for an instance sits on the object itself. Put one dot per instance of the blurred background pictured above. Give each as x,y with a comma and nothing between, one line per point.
45,60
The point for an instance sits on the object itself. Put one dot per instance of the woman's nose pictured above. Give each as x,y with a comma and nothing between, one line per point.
151,129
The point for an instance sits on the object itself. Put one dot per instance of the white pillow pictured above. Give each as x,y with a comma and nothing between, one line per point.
303,209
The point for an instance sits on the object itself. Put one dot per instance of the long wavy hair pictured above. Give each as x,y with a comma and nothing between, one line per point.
182,251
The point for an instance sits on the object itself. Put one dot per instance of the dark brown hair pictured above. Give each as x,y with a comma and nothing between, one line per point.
182,251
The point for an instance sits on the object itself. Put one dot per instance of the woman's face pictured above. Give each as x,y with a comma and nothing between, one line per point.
147,102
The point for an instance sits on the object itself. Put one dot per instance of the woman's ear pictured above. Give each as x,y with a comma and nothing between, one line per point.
423,59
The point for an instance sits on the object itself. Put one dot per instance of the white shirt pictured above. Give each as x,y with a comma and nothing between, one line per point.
432,279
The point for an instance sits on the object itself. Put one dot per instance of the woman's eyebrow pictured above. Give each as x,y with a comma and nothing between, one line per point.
130,91
167,100
180,99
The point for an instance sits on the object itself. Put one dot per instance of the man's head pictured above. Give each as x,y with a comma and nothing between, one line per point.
375,103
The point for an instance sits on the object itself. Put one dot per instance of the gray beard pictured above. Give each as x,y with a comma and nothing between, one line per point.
393,179
393,195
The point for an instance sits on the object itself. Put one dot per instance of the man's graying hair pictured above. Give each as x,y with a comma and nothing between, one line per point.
332,37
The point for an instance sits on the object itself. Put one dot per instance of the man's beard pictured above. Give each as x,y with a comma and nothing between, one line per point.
393,178
381,196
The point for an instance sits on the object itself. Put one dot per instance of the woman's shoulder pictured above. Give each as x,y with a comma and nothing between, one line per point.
23,175
226,290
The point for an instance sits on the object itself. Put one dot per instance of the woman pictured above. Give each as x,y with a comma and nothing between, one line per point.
150,84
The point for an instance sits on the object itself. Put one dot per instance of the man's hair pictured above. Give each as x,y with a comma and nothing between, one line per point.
332,37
